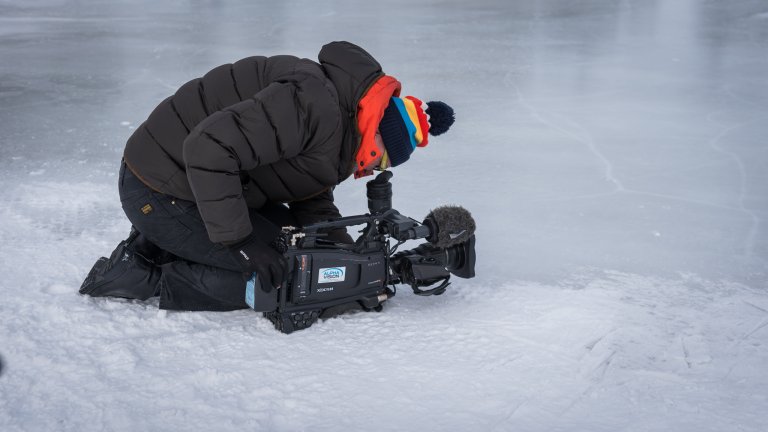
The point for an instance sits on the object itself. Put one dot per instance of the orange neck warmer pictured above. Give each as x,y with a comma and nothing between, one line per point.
370,110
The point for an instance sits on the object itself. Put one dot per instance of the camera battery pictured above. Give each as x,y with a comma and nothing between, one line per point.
257,298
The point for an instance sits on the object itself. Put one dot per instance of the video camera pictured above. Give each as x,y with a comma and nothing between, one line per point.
327,278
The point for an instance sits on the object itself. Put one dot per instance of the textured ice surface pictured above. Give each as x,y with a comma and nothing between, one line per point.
612,153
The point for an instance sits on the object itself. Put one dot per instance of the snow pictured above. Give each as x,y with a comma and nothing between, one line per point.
612,153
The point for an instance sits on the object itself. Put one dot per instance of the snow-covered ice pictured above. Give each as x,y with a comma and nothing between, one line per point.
613,154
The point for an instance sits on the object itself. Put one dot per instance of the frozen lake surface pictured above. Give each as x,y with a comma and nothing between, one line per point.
613,154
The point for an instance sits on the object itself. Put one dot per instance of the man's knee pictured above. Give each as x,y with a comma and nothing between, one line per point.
197,287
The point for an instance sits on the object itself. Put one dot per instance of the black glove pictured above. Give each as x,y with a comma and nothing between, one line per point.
256,256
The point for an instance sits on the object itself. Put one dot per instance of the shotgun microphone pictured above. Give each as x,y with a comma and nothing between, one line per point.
449,225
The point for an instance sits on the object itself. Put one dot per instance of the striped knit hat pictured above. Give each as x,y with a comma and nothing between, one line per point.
406,123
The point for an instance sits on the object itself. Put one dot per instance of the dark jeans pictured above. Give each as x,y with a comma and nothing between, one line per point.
207,276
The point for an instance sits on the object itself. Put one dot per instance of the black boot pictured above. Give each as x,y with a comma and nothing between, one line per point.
126,273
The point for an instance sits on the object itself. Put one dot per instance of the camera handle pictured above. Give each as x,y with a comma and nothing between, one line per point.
434,291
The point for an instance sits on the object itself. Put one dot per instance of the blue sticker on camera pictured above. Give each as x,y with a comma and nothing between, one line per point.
331,274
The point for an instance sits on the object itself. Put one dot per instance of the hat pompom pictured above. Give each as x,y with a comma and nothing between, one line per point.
441,117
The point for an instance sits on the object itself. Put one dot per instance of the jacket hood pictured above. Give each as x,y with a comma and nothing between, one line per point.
351,69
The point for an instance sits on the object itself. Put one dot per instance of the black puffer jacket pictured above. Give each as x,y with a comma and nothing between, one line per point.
279,129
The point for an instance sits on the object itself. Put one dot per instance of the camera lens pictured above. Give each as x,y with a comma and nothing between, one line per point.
380,193
460,259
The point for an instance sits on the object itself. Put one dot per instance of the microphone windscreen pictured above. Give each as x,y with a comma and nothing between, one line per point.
454,225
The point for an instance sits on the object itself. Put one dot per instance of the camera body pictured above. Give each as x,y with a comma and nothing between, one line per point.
326,278
322,284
